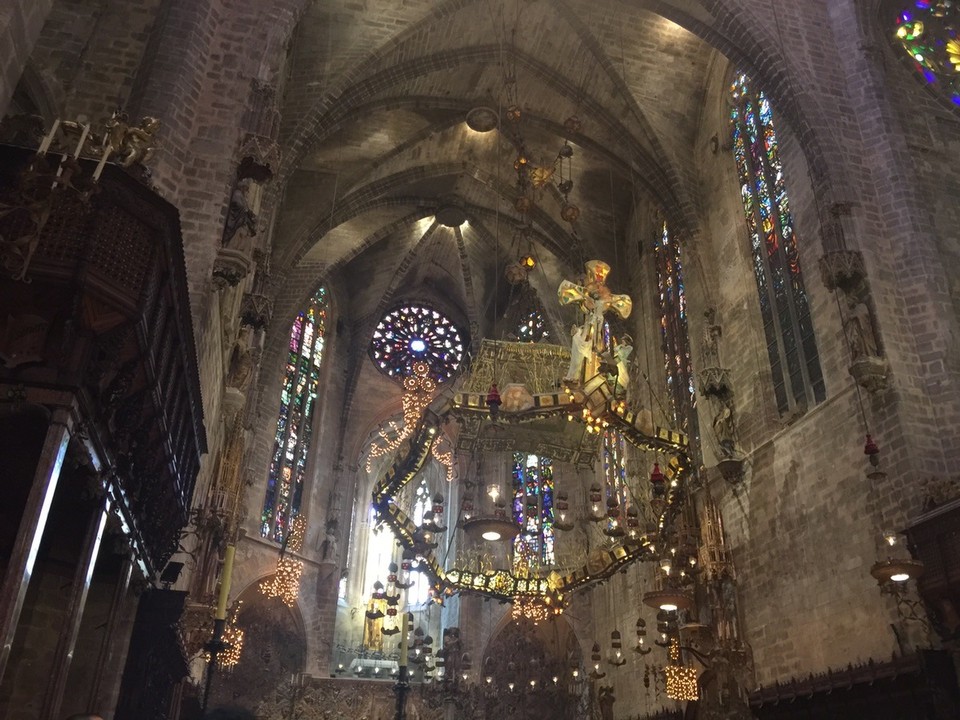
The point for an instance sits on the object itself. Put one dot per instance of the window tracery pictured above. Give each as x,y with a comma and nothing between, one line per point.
927,32
532,327
674,332
533,508
294,428
416,333
785,310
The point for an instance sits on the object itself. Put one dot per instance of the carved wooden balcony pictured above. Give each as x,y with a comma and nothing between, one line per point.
94,297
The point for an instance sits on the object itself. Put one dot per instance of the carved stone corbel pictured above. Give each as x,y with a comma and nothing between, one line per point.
843,271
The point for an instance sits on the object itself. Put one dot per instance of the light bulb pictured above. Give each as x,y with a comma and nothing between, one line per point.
576,674
493,491
489,679
900,577
510,685
666,565
533,683
890,538
555,679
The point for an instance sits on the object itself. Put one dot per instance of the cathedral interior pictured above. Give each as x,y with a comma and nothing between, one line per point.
479,359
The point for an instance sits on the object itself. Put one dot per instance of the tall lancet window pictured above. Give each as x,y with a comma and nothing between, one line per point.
298,395
533,508
674,333
791,345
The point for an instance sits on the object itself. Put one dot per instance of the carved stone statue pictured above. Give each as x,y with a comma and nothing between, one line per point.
858,327
243,365
724,427
241,219
844,272
710,345
329,551
606,699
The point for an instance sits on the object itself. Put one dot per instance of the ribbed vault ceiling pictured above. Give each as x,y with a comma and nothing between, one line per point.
375,141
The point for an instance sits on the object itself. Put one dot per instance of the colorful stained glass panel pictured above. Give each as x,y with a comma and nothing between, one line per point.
294,430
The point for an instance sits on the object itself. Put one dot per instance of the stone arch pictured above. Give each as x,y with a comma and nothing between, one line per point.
542,650
275,646
42,90
262,413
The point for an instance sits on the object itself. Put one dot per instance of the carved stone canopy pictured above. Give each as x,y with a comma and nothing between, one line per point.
256,309
842,269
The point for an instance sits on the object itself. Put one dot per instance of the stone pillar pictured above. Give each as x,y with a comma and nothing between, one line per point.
73,614
32,524
20,24
106,681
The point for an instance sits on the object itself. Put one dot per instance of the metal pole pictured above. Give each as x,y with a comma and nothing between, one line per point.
216,644
403,686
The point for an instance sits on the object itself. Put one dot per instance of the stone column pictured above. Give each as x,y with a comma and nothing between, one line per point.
73,614
107,660
32,524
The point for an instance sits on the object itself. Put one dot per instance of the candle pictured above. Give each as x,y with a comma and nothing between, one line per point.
48,138
83,139
226,575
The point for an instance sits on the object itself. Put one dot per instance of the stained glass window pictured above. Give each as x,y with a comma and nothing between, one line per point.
419,591
927,32
674,332
784,308
414,333
298,395
615,474
532,328
533,508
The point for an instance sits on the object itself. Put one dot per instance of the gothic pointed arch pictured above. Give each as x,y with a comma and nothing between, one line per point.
784,307
295,418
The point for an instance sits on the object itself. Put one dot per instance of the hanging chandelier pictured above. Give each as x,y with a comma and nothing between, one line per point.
591,396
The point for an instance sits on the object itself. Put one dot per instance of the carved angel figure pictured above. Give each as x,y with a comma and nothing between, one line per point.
130,144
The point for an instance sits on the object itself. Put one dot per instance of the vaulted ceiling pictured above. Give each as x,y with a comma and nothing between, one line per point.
375,139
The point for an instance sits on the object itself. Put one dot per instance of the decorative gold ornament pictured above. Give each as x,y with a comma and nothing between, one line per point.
286,583
418,390
681,680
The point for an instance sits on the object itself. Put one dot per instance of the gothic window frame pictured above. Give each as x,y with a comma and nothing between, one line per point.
537,536
392,345
675,330
786,317
930,53
533,327
293,434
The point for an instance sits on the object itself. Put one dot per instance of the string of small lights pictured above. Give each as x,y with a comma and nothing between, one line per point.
681,679
285,584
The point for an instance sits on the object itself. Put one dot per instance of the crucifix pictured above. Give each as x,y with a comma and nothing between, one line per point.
595,299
